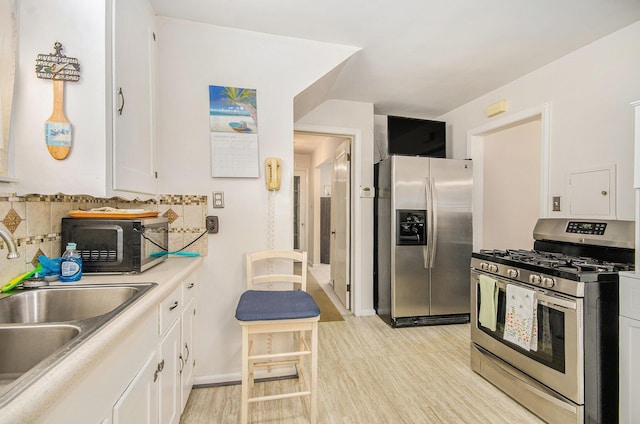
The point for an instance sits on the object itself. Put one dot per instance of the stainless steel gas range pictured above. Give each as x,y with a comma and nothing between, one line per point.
544,322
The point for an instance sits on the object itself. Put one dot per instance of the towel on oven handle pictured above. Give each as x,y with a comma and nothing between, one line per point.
488,314
521,318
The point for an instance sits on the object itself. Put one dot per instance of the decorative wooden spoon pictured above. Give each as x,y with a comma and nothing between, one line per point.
57,129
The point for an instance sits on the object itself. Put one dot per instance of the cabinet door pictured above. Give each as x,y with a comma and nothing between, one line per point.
592,192
170,351
133,154
188,351
636,179
139,402
629,370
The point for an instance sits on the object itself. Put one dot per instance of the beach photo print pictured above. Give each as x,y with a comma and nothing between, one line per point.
233,126
232,109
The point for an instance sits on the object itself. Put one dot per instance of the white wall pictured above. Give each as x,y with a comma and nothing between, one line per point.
589,92
191,57
353,118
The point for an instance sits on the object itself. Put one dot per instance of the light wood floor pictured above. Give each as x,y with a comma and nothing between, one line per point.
371,373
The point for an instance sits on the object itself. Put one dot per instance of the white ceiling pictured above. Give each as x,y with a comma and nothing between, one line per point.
423,58
305,144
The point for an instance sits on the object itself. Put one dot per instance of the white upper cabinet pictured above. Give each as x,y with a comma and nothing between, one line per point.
112,154
636,173
133,139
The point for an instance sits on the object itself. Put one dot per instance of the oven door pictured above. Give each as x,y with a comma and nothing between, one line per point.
558,360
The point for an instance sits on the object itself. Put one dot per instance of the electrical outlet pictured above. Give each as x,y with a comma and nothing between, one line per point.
212,224
218,199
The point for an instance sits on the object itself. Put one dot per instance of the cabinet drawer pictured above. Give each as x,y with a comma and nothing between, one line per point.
170,309
189,288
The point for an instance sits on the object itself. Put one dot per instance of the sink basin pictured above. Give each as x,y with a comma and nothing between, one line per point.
23,347
63,304
40,327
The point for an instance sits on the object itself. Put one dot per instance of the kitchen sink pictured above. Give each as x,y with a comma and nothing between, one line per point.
63,304
40,327
23,347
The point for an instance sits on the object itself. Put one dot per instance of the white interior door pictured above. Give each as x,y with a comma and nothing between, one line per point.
340,224
300,209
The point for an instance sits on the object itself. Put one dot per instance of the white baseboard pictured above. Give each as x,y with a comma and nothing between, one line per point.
234,378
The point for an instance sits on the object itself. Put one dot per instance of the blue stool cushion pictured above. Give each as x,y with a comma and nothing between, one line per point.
259,305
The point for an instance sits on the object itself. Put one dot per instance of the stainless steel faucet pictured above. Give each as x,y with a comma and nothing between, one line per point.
11,245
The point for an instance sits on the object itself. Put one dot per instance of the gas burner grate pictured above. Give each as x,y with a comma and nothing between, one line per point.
559,261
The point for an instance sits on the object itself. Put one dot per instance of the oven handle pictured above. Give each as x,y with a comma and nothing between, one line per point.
541,297
556,303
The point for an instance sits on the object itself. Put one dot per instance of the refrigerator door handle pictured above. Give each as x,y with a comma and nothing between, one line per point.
434,223
427,247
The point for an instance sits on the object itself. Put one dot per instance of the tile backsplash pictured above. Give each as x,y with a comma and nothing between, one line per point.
34,221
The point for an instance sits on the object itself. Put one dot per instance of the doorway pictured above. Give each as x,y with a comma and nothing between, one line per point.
340,240
511,171
315,153
510,178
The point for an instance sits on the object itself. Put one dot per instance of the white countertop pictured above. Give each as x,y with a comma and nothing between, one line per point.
34,401
631,274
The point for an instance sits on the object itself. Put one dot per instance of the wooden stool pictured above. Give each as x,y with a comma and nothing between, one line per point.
274,310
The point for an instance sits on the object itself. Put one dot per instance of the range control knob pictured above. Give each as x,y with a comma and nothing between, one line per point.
512,273
535,279
493,268
484,266
548,282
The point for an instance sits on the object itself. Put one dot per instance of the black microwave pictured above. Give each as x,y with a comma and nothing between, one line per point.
109,245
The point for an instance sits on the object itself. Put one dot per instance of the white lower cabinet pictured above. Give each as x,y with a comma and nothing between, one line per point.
629,347
188,352
170,409
159,392
177,353
147,377
139,402
118,387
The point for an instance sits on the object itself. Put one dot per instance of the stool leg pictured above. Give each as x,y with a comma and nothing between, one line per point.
301,341
251,364
314,372
244,404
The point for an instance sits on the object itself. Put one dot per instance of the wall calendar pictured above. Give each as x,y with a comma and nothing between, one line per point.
233,126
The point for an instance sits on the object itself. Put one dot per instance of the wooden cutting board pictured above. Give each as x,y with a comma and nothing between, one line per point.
57,128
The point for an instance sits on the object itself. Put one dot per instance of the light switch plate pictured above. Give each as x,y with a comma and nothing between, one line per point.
556,203
218,199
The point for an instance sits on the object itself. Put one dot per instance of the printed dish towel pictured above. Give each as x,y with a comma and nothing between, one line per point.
520,324
488,302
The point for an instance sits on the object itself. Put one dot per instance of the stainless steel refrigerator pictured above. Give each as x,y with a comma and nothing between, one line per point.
423,240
